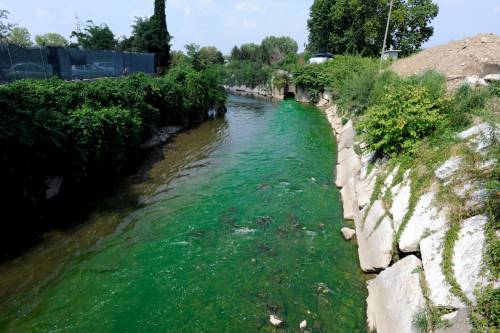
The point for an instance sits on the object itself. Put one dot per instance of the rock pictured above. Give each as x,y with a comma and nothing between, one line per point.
322,103
431,249
348,233
400,204
483,128
484,140
468,255
448,168
375,236
492,77
474,81
347,136
349,201
425,219
364,189
276,321
347,169
390,179
395,298
345,154
303,325
458,321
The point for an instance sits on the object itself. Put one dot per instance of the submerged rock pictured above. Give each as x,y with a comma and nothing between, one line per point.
276,321
395,298
348,233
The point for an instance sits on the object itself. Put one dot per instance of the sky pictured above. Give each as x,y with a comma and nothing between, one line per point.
225,23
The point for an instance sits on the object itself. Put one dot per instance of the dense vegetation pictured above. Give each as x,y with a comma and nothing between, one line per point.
256,64
358,27
89,132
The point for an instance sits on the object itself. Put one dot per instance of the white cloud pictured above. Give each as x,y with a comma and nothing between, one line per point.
497,9
42,14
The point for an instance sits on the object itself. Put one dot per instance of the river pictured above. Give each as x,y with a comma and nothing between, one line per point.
238,219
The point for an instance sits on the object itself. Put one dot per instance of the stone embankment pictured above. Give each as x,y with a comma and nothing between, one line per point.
391,222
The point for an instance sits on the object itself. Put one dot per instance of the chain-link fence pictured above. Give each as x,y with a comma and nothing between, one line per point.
69,64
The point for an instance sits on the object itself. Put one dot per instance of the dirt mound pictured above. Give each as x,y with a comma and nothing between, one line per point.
470,57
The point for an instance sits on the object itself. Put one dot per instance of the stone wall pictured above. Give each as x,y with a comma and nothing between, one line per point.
387,231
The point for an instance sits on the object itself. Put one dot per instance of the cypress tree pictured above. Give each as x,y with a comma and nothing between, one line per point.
162,45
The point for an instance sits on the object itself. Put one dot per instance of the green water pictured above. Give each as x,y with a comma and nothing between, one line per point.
238,220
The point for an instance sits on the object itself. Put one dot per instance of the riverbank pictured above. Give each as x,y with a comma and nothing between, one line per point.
431,266
67,144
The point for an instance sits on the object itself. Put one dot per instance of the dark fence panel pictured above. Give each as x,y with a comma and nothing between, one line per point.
24,62
69,64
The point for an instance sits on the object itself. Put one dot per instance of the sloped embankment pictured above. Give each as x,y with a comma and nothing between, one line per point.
473,58
423,227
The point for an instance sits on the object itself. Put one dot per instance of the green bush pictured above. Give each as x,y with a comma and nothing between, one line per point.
89,132
405,114
486,314
248,73
334,74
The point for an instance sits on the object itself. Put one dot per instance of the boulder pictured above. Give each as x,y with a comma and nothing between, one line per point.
348,233
468,255
492,77
364,189
425,219
347,136
483,128
448,168
400,204
474,81
395,298
458,322
375,237
349,201
347,169
276,321
431,249
390,179
344,154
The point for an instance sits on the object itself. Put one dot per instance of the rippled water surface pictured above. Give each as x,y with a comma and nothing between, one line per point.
238,220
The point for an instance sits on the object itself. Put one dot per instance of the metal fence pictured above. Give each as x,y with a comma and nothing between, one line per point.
69,64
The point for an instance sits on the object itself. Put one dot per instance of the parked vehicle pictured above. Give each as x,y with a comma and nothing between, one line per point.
27,70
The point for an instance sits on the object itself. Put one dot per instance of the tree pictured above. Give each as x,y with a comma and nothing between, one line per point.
276,49
51,39
161,38
358,26
235,53
204,57
97,37
5,27
20,36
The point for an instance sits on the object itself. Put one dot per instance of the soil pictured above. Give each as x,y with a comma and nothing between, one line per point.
476,56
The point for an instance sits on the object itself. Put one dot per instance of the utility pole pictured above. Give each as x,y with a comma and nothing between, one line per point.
386,33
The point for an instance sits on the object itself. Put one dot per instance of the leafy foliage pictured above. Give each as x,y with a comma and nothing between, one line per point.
405,114
97,37
358,27
5,27
51,39
90,132
20,36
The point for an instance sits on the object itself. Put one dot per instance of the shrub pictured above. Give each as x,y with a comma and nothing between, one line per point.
405,114
486,314
89,132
